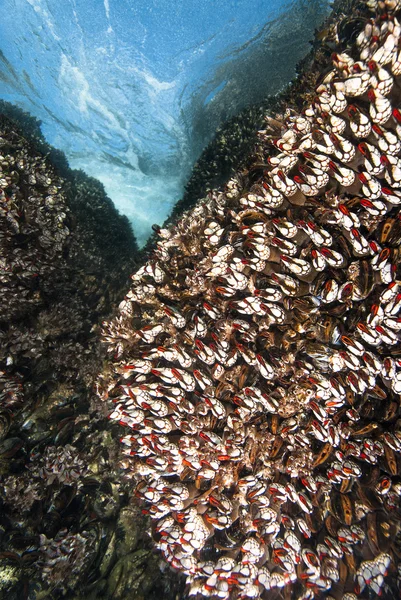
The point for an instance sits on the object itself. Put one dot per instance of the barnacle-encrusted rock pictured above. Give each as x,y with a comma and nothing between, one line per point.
65,259
256,355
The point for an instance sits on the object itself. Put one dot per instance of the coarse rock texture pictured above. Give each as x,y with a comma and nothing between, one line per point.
256,356
65,257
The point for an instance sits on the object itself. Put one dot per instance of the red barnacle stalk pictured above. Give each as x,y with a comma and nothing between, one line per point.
334,167
205,437
146,442
377,130
375,248
352,110
326,252
223,457
334,139
344,209
366,203
199,344
363,149
371,95
176,374
397,115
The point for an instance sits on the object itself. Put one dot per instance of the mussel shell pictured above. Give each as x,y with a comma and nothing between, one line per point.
64,497
368,497
377,393
388,410
5,423
332,525
365,409
346,485
51,523
314,520
349,558
277,446
20,542
329,329
105,503
232,537
344,249
37,429
209,551
10,447
365,279
390,462
323,455
335,309
349,28
369,476
101,538
65,431
341,506
10,557
337,588
390,231
89,485
380,532
30,557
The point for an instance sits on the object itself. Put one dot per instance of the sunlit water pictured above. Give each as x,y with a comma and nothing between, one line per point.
132,91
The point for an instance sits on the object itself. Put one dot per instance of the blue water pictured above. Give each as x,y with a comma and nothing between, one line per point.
132,90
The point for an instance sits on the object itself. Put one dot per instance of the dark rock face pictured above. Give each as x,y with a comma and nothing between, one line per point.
233,142
65,258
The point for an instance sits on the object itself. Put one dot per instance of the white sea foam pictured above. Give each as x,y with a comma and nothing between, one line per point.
132,91
38,7
107,9
144,200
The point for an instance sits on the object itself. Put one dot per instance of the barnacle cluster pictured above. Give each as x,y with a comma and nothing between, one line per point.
66,555
32,210
256,356
62,464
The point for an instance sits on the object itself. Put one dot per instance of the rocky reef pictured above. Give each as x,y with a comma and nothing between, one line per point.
67,527
252,372
255,360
